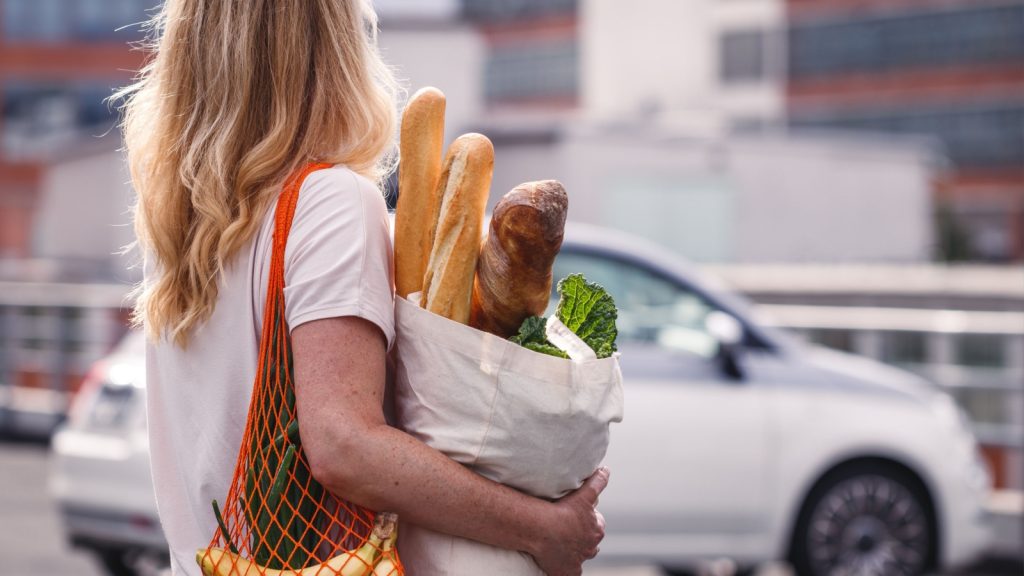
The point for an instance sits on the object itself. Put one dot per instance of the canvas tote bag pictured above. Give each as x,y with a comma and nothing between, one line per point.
536,423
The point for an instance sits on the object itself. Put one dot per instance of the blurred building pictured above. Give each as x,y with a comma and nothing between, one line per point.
427,44
63,196
59,60
953,69
740,199
701,65
660,117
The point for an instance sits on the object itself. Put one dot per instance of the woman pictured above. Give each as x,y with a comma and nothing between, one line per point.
239,95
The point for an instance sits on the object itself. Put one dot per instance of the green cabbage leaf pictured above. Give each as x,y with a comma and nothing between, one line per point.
585,308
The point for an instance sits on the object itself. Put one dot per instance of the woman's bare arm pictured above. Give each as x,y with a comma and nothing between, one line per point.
339,384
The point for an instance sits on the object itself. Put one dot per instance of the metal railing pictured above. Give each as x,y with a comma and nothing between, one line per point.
50,335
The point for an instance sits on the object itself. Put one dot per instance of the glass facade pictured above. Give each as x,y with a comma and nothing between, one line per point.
54,21
974,134
532,70
510,10
904,348
743,56
934,39
38,116
981,350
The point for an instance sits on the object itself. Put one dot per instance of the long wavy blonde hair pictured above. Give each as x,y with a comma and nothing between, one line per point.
239,94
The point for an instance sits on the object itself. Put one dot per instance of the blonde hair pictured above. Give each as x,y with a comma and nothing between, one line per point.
237,96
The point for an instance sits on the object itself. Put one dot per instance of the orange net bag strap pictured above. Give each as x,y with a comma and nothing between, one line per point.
276,515
285,213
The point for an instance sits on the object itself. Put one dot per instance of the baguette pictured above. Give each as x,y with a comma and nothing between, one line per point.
513,280
464,187
421,142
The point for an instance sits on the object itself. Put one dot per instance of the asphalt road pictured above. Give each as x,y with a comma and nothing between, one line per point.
32,542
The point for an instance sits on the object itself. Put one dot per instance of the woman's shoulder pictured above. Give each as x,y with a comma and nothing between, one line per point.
339,203
341,187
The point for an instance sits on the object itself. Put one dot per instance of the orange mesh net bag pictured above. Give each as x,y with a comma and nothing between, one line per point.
277,519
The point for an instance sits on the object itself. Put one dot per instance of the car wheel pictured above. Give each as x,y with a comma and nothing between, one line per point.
865,521
117,562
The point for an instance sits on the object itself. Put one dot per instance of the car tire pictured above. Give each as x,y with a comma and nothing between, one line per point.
865,519
117,562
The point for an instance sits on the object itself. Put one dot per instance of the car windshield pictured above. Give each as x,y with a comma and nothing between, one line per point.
652,308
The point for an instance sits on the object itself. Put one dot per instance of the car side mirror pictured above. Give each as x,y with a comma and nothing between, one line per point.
728,333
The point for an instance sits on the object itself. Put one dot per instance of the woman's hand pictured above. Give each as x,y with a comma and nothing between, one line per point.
575,533
339,390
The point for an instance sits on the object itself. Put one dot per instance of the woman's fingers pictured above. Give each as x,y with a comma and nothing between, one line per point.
592,488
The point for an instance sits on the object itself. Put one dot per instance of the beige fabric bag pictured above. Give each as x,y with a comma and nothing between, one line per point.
537,423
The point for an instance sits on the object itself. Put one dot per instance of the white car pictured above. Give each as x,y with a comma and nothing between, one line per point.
741,443
737,441
100,474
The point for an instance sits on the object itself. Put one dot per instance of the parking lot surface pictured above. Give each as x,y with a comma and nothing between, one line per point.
32,542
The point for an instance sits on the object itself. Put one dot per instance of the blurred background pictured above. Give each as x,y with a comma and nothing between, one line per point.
855,168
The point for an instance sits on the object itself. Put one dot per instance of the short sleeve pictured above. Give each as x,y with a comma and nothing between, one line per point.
339,258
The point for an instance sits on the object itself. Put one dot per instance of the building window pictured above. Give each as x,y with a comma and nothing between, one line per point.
743,56
904,348
981,350
74,20
40,117
973,135
532,71
512,10
960,37
837,339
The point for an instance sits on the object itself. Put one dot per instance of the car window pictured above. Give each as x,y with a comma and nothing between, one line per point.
652,309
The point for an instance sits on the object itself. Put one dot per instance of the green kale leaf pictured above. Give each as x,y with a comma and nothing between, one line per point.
531,332
589,311
585,308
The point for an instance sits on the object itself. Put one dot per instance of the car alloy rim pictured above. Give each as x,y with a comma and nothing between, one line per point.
868,526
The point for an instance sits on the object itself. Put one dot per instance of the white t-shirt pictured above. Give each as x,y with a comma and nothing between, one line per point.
337,263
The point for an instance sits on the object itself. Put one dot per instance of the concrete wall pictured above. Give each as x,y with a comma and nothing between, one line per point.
829,199
741,199
515,164
447,55
432,9
84,209
634,65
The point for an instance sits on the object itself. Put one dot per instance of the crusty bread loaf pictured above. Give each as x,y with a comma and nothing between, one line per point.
513,280
465,184
419,169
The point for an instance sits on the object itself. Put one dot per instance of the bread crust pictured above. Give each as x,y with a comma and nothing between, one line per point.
464,187
421,144
514,272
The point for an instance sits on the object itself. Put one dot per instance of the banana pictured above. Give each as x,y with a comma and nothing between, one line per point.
361,562
388,565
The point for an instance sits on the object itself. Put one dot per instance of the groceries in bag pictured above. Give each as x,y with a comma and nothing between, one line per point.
583,324
421,146
465,183
513,279
376,557
479,375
